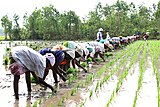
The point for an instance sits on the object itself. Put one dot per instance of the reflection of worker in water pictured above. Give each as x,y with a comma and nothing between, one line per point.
25,60
99,35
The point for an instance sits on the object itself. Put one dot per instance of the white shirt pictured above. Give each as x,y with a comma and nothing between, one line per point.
108,37
99,36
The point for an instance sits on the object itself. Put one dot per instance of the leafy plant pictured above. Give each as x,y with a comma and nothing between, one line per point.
72,71
40,101
6,61
84,64
97,59
33,80
91,93
35,104
63,99
89,59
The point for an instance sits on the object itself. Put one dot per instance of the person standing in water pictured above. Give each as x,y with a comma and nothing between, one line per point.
25,60
99,35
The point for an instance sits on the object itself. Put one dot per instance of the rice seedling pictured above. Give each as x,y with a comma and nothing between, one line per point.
73,91
63,99
6,61
97,59
33,80
90,93
82,103
89,78
122,76
72,71
154,56
51,105
40,101
35,104
140,79
59,103
97,85
50,95
89,60
84,64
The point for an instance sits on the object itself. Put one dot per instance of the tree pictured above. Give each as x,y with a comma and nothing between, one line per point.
16,28
7,25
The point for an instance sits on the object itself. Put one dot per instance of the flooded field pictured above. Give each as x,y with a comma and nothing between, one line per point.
128,79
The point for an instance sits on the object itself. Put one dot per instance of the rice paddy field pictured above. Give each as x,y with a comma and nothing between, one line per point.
129,78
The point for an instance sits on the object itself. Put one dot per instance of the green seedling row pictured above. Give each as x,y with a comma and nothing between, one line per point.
140,79
154,45
122,77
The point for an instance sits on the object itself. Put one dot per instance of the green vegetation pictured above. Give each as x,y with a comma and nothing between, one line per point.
33,80
154,52
140,79
97,59
84,64
72,71
2,38
89,59
6,61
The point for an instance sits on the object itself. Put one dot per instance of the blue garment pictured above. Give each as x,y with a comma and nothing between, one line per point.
138,33
59,55
102,41
44,51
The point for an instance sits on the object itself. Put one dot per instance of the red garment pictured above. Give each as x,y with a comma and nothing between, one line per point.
17,69
63,62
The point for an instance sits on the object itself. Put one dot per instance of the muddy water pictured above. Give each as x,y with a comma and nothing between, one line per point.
126,94
6,84
99,98
148,96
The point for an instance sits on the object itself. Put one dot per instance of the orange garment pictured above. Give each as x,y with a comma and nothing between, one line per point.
63,62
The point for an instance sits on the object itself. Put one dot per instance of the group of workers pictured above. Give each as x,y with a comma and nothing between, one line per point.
58,59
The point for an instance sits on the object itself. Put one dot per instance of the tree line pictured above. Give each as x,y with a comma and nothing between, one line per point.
119,19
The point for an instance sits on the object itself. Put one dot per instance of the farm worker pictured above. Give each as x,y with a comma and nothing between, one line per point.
78,58
69,44
58,56
89,51
69,56
78,53
146,35
99,35
107,37
108,46
25,60
99,49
